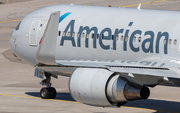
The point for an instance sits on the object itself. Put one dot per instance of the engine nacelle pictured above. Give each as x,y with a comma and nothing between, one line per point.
100,87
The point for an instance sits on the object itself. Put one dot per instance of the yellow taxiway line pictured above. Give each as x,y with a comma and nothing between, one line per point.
4,38
78,102
153,110
10,21
5,27
143,3
35,98
120,6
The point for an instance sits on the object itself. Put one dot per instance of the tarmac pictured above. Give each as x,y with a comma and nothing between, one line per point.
20,89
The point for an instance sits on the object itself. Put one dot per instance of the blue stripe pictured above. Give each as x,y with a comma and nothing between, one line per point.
64,16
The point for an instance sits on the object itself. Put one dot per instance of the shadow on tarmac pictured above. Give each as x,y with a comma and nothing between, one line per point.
59,96
161,106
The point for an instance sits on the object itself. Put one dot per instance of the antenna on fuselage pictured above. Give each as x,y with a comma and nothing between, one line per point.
139,7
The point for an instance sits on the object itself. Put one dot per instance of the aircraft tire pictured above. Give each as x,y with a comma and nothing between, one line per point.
53,92
45,93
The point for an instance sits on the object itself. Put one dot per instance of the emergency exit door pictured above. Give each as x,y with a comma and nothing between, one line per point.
33,33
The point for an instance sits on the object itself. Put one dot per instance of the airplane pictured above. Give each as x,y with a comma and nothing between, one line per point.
110,54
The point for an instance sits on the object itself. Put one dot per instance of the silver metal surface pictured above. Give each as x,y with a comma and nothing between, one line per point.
132,92
115,89
119,90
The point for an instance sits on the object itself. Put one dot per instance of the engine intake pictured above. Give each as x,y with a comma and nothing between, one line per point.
100,87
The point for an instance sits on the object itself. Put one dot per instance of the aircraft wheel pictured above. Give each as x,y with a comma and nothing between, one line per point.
45,93
48,93
52,92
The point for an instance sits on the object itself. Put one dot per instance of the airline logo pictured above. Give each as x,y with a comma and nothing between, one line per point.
64,16
153,41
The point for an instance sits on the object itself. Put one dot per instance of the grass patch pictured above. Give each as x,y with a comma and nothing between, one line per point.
0,2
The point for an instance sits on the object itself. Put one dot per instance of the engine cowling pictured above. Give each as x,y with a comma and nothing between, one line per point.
100,87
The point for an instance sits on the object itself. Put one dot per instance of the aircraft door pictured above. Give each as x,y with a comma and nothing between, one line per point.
33,33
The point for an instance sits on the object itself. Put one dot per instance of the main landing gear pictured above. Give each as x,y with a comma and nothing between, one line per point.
47,92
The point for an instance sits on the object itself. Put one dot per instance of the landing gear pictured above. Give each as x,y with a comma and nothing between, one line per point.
47,92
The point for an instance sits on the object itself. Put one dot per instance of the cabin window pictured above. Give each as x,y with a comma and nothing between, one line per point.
170,41
82,35
139,39
102,36
78,34
127,38
92,36
73,34
87,35
164,42
59,33
17,27
69,34
122,37
117,36
97,36
112,37
134,39
175,42
64,33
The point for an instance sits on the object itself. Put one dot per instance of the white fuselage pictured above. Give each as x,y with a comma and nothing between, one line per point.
101,33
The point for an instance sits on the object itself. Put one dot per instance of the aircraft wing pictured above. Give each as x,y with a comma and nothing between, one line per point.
151,66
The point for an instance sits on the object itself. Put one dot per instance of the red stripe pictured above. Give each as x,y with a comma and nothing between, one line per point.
37,73
40,41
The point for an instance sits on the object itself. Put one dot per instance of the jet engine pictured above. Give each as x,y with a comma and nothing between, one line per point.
100,87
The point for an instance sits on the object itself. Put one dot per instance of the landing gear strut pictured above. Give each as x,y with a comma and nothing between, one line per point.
47,92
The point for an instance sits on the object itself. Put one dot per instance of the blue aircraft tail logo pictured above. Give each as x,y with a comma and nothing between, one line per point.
64,16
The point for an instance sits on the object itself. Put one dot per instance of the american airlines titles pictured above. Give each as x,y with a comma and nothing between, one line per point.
164,35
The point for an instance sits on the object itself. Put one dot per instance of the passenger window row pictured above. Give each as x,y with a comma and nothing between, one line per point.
112,37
